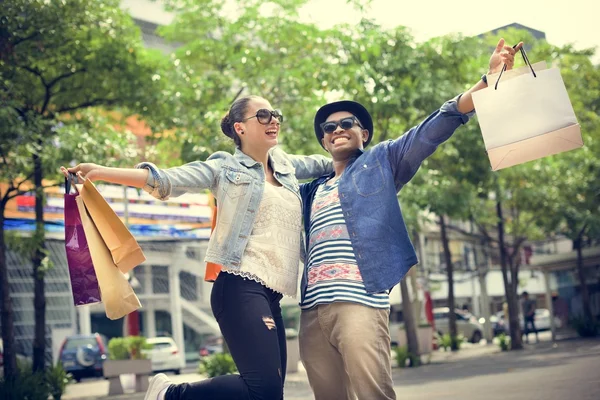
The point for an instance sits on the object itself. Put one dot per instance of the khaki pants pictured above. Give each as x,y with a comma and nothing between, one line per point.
345,348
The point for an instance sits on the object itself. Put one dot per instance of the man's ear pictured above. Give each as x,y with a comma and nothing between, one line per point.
323,144
365,135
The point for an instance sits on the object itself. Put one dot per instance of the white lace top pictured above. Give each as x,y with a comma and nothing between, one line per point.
272,255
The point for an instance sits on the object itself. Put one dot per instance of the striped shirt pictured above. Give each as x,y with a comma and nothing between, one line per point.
333,274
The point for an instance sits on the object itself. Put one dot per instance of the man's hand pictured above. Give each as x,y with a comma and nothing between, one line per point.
503,55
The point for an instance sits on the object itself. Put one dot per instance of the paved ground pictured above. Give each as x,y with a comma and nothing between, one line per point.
568,370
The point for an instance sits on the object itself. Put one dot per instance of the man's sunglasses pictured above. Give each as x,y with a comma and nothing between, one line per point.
265,116
345,123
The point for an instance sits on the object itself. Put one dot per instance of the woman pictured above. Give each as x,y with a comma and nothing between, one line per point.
256,240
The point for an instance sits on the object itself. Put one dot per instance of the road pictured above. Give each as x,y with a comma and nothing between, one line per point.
569,370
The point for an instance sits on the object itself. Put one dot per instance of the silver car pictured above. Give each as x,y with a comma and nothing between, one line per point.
467,325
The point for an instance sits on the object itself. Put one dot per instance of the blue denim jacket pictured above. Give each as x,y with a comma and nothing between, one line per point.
368,196
237,182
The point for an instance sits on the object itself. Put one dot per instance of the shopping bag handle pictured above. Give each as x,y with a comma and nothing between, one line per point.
72,179
525,58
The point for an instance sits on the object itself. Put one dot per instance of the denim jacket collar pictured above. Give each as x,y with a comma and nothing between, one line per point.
279,164
244,158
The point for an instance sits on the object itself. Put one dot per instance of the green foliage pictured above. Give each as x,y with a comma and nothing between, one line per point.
585,327
58,380
118,349
217,364
27,385
504,341
404,358
135,345
128,348
291,316
448,342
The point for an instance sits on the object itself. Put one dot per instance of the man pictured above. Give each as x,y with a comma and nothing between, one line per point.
528,307
357,246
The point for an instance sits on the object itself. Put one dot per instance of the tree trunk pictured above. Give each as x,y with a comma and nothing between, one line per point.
482,271
39,301
450,274
417,305
6,311
585,295
513,307
409,320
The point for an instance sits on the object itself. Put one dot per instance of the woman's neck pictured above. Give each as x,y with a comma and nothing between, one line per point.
258,155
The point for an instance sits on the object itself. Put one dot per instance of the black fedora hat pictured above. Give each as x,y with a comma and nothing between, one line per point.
354,108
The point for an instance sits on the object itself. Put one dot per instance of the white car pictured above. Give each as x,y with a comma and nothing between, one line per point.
466,324
164,355
542,320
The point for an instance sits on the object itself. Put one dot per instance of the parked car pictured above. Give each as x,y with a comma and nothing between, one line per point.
164,355
497,323
467,325
83,355
210,349
542,320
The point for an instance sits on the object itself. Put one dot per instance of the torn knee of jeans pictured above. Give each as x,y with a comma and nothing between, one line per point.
269,322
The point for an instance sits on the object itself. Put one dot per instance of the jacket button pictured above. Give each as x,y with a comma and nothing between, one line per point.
365,166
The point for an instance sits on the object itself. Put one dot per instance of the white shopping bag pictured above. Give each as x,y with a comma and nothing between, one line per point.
526,117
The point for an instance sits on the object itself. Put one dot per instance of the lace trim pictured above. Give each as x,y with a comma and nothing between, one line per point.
251,276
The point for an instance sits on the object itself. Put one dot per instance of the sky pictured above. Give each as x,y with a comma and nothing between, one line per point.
574,21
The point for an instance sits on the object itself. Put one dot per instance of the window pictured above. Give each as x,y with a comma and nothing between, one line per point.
161,345
73,344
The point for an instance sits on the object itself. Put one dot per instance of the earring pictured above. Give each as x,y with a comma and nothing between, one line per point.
241,132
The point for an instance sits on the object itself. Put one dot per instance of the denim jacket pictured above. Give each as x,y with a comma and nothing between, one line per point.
237,182
368,191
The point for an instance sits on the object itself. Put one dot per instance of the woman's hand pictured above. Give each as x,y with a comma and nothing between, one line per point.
84,171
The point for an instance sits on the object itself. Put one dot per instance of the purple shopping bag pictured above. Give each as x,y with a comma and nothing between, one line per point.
84,283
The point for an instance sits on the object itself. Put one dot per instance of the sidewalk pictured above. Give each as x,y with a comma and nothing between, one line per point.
474,362
296,384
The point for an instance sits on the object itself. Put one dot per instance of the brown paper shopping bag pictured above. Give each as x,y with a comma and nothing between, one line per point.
124,249
117,294
535,101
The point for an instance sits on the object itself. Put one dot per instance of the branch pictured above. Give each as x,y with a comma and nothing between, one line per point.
18,193
26,38
582,230
47,96
35,72
64,76
91,103
22,192
485,233
25,180
466,233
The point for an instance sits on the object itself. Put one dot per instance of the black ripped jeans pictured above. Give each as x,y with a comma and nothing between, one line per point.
249,316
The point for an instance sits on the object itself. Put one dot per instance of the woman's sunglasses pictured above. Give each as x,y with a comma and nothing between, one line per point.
345,123
265,116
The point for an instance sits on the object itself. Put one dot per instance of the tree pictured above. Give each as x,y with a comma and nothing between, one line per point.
264,49
63,58
524,202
